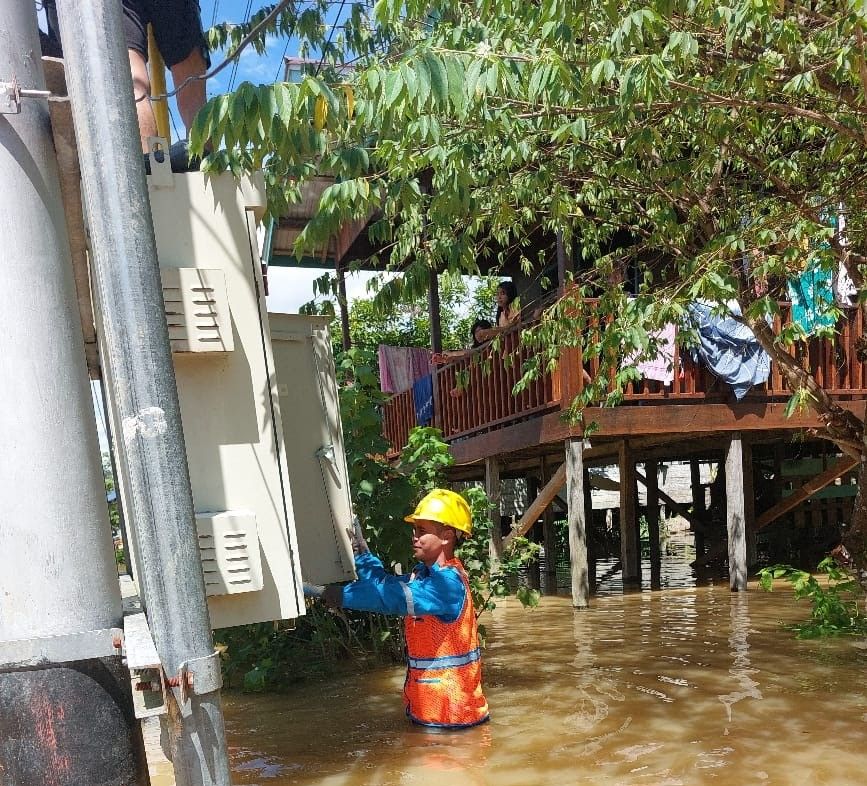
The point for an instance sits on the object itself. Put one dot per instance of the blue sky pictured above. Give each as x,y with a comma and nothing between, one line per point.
289,288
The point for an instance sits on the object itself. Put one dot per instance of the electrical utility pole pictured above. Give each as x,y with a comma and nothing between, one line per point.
137,364
66,716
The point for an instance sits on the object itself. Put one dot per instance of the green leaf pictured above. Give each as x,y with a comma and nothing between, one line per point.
438,77
393,88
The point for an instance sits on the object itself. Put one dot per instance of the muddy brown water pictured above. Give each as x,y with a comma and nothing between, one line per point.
677,687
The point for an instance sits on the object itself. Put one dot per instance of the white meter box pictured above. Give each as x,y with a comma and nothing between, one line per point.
205,228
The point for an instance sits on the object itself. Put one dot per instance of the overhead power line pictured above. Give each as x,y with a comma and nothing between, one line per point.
230,59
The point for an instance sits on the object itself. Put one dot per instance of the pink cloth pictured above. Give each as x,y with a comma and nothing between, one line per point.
399,367
660,368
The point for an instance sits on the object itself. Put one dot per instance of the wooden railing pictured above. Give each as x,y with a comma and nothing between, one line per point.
475,393
480,388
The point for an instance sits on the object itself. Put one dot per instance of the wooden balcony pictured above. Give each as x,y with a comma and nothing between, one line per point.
474,396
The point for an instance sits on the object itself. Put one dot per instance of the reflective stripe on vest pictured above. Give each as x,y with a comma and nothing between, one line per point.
446,662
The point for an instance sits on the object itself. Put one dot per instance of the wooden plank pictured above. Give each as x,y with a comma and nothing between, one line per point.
66,148
653,496
735,514
630,555
827,477
663,419
532,514
577,520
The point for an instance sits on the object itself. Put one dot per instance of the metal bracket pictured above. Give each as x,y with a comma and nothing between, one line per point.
10,97
327,452
11,94
160,163
49,650
200,676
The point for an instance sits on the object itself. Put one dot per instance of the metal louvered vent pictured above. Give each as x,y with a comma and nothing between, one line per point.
197,309
229,548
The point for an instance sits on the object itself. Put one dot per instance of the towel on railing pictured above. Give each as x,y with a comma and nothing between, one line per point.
729,348
422,398
399,367
661,367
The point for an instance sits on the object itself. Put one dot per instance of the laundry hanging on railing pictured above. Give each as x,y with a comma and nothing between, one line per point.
399,367
660,367
728,347
845,291
812,297
422,399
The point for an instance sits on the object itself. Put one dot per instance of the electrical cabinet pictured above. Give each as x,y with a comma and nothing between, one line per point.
251,466
313,435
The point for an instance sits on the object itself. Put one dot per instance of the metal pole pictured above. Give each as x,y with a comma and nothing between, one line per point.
65,701
138,364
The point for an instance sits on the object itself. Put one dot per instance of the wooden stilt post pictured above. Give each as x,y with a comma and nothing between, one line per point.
629,554
549,538
492,488
577,518
699,506
749,505
436,327
735,514
591,553
651,471
534,573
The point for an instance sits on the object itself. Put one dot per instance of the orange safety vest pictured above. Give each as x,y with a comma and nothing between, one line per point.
444,671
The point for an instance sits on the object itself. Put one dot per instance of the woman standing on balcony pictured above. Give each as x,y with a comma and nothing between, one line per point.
508,310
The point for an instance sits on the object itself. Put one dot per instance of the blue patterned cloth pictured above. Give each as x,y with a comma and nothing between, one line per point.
422,398
729,348
811,295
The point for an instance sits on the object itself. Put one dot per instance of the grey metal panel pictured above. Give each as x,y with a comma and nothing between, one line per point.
313,435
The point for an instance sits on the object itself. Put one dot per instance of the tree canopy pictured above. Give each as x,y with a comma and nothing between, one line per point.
711,145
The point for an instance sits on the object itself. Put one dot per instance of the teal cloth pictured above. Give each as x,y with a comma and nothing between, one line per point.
812,298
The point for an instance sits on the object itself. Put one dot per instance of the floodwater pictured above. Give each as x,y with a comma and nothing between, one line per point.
677,687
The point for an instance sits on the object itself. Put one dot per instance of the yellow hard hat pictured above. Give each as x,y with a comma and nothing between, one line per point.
445,507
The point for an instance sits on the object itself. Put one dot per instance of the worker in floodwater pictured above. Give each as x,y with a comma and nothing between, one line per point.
443,687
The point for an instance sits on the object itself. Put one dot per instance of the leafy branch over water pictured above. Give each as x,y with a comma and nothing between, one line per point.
834,604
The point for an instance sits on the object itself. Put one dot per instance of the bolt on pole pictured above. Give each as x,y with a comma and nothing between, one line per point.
66,715
138,366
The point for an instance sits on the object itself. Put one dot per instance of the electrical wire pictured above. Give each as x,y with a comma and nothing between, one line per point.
238,60
229,60
330,35
282,63
216,10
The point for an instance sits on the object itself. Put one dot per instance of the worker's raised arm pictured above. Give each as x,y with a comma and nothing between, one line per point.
369,567
440,593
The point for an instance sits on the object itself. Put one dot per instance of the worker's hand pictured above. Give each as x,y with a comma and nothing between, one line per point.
359,544
333,596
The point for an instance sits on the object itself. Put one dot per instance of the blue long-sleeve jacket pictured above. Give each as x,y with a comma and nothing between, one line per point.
437,591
